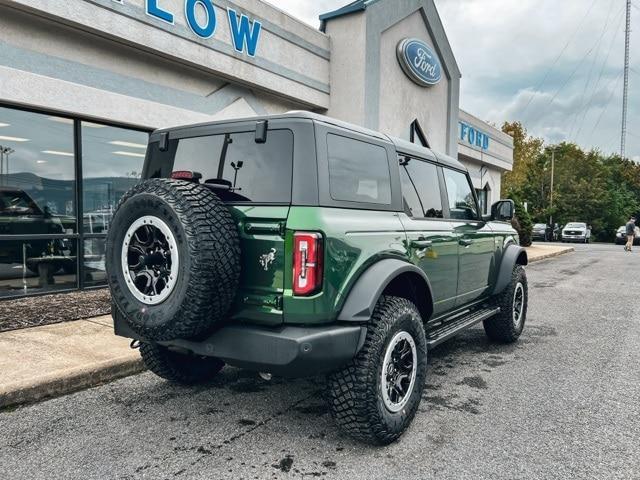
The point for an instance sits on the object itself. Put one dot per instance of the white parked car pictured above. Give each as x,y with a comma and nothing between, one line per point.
621,236
576,232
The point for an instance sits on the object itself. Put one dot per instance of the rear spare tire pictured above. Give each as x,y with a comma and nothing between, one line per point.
172,259
179,367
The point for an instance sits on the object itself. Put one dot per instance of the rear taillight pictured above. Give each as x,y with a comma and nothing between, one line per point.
307,263
187,175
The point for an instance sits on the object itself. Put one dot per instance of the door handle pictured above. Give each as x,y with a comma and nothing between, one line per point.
465,242
421,243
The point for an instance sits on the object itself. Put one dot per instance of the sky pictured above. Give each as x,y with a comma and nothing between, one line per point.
554,65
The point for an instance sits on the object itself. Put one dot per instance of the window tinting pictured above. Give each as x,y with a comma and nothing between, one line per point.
423,177
409,195
112,160
358,171
462,205
245,170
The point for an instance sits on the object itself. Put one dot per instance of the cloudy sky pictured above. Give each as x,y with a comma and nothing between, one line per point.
554,65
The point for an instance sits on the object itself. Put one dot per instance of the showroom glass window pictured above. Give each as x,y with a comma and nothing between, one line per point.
112,161
37,202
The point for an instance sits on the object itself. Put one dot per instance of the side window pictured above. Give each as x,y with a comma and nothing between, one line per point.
421,177
358,171
461,202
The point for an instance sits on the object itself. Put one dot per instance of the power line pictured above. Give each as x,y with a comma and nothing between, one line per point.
589,76
595,89
613,91
546,75
555,95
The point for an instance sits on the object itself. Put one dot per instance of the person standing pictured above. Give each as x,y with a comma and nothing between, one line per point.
631,233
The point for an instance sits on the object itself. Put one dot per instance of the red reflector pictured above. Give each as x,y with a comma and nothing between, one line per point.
307,263
186,175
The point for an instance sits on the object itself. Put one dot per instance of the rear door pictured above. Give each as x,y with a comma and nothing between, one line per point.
432,244
476,240
254,179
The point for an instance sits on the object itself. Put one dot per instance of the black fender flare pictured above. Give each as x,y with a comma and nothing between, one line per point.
364,294
513,255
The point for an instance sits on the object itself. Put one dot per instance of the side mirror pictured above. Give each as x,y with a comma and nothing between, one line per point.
503,211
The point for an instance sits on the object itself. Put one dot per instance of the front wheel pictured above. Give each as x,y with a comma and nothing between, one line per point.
375,398
506,326
178,367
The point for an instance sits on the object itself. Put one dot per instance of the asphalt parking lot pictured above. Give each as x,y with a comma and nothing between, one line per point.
562,403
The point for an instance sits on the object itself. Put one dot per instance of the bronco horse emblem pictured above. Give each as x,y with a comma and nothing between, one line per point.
267,259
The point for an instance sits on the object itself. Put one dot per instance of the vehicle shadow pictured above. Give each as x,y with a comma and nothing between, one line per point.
239,403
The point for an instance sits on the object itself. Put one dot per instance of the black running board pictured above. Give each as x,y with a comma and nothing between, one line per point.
450,329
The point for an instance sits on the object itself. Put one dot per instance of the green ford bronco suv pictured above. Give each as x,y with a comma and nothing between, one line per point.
297,245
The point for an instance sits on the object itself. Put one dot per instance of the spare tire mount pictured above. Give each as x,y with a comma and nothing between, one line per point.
172,259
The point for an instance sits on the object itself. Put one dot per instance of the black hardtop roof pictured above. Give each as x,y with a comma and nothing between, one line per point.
402,146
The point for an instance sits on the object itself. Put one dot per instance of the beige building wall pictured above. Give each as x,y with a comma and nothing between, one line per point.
486,166
111,61
368,85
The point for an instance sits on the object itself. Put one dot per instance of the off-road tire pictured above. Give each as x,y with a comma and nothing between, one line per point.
501,327
178,367
354,393
208,245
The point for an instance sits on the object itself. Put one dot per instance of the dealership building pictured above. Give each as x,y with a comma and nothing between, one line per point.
83,82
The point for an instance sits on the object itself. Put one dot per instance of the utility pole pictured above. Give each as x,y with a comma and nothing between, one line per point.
8,151
553,166
625,91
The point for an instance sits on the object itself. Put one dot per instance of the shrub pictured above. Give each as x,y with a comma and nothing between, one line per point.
523,224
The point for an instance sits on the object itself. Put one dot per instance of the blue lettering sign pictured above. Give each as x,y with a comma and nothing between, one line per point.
155,11
244,35
204,31
419,62
463,130
474,137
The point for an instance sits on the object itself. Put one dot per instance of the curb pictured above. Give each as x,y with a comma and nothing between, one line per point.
69,381
552,254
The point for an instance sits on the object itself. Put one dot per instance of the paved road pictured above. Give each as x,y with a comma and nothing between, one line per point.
562,403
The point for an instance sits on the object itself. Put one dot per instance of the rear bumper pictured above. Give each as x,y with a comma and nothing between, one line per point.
288,351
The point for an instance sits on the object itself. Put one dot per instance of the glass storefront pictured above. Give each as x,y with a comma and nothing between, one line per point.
60,181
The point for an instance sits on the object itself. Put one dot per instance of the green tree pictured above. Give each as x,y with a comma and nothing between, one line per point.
526,150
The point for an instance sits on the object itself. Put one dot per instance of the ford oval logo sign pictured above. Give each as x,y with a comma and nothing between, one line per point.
419,62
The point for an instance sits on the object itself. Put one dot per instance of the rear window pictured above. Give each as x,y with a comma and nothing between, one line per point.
358,171
17,202
247,171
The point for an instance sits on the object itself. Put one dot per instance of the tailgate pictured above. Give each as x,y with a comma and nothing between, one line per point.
262,242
